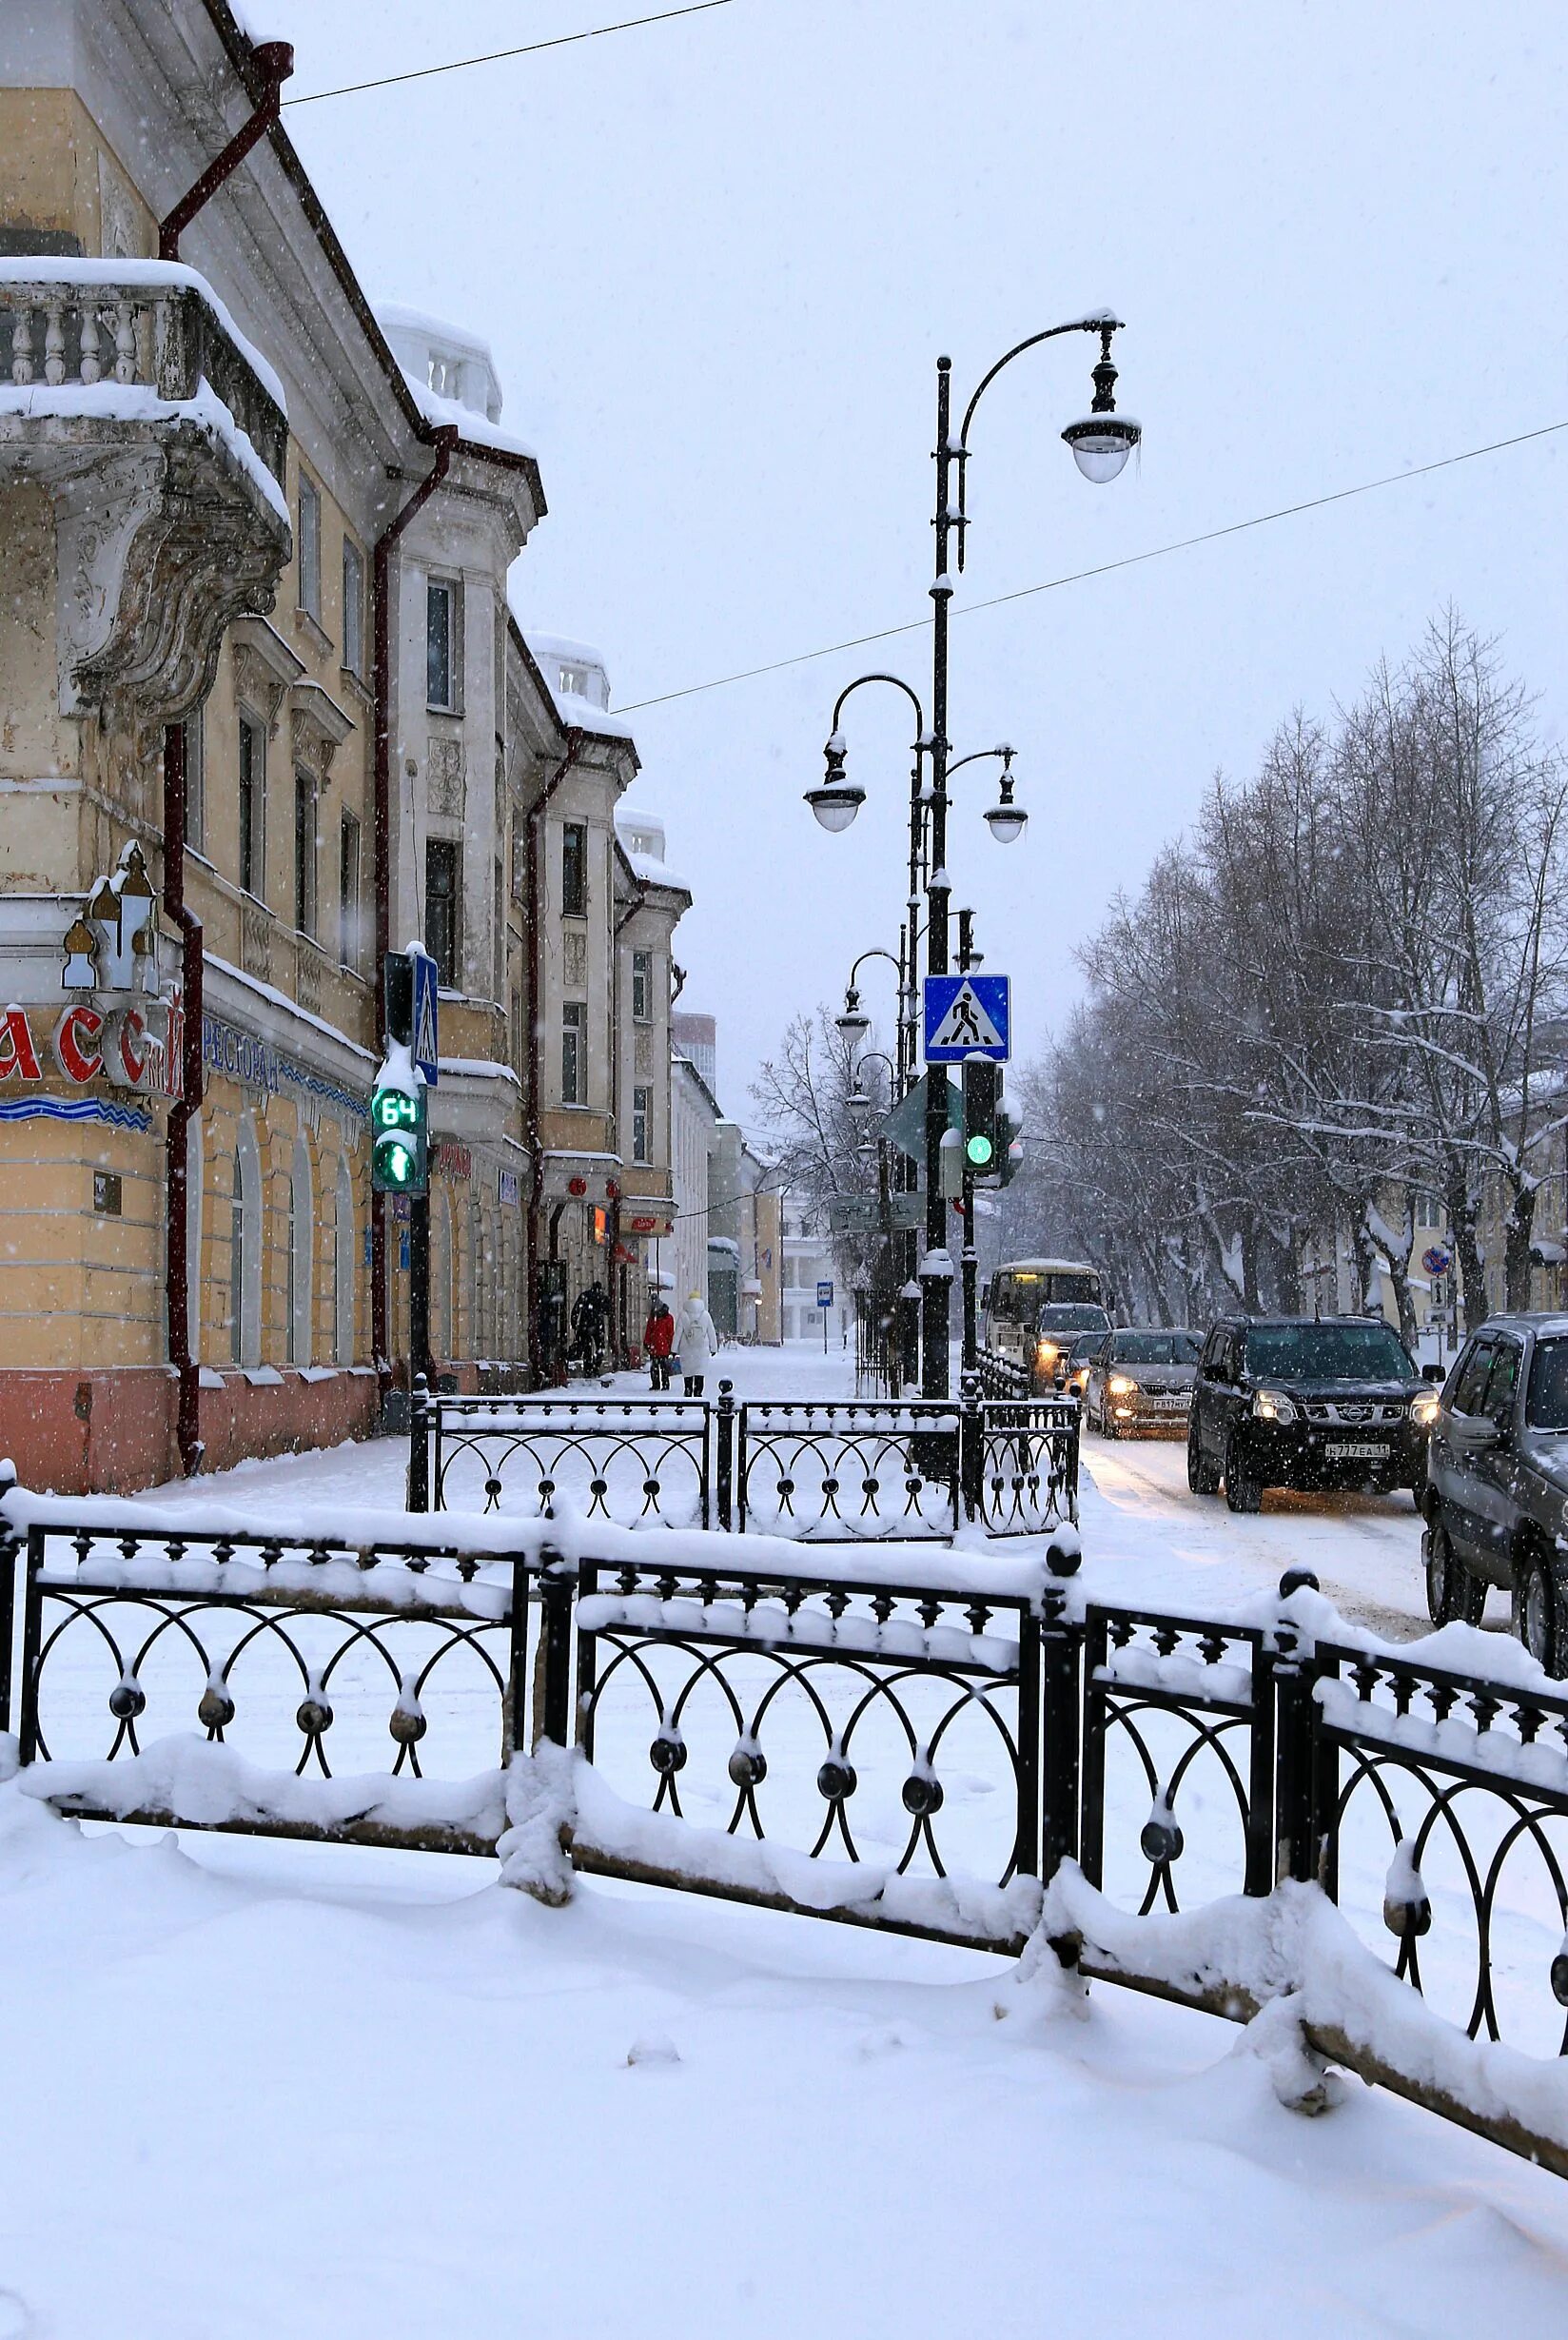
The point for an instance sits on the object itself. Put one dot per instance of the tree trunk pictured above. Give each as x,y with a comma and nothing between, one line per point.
1459,1204
1517,1229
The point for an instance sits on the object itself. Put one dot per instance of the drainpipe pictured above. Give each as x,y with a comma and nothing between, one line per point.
443,438
617,1278
532,1066
274,61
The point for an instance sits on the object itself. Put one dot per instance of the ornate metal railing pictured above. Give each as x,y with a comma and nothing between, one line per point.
1023,1465
951,1743
853,1744
873,1469
638,1462
73,326
839,1471
998,1377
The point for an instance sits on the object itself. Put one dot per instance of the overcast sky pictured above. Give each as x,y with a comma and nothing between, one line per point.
716,260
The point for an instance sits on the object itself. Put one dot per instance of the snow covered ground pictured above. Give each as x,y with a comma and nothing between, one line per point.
261,2086
262,2089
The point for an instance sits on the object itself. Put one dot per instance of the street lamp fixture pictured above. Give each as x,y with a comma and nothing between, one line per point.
1104,440
836,802
1005,819
854,1023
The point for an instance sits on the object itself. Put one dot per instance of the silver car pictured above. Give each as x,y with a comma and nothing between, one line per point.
1141,1380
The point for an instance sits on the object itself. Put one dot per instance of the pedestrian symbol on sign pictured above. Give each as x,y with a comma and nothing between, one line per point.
966,1016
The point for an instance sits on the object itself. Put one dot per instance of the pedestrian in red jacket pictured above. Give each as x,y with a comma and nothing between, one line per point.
659,1335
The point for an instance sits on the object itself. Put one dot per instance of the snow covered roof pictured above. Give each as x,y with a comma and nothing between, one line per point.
564,663
446,360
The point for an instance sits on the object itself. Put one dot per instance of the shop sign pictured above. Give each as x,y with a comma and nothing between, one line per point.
452,1160
644,1226
507,1189
255,1063
137,1047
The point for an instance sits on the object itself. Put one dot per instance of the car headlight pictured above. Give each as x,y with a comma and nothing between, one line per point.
1423,1408
1273,1406
1119,1387
1047,1352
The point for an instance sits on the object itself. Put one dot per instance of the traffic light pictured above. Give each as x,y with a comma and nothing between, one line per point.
982,1115
399,1153
1011,1161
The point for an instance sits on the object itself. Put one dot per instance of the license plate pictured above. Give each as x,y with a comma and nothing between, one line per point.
1171,1404
1359,1452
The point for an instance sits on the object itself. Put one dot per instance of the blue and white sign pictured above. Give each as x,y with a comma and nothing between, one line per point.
426,1053
824,1295
967,1016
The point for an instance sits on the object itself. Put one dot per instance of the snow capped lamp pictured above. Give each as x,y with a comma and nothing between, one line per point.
1005,820
836,802
854,1023
81,948
1104,440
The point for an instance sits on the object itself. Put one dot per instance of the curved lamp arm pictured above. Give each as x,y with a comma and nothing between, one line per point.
876,954
900,685
1105,325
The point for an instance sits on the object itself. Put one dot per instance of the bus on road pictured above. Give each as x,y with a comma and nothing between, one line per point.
1035,1308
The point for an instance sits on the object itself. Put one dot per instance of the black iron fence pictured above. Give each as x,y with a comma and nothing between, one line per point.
951,1743
830,1472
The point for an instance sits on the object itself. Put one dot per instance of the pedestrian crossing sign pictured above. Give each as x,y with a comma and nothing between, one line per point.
426,1048
967,1016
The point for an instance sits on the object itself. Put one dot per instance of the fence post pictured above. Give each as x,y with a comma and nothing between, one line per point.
11,1548
724,1455
556,1581
1298,1832
1061,1649
972,1445
419,1445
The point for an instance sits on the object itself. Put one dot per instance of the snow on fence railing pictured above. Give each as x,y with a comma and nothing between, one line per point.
827,1471
1266,1816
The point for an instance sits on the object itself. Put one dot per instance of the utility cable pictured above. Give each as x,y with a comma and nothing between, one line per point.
497,56
1105,568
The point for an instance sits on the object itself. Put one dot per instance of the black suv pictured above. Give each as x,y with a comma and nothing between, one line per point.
1298,1402
1498,1490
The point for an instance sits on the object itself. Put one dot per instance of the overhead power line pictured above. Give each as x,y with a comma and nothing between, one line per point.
1103,569
497,56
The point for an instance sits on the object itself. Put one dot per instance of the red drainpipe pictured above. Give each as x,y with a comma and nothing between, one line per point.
443,438
274,62
534,888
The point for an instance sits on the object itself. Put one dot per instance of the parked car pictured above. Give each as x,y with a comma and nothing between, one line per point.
1498,1488
1308,1403
1139,1379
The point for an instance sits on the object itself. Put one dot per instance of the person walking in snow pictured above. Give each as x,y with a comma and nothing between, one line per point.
696,1341
659,1335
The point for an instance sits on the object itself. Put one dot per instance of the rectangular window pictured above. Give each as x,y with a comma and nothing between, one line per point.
304,850
353,608
442,898
574,1052
642,986
441,645
348,893
252,800
195,785
309,549
573,870
642,1125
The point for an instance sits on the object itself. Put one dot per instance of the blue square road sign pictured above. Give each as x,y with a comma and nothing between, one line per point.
427,1048
967,1016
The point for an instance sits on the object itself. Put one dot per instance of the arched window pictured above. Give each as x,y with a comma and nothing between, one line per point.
343,1309
245,1249
302,1221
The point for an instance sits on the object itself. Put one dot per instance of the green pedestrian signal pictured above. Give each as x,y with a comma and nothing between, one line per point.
399,1149
981,1151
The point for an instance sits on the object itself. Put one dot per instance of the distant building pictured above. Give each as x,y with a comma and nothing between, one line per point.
696,1037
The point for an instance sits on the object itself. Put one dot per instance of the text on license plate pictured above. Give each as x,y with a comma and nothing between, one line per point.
1173,1404
1359,1452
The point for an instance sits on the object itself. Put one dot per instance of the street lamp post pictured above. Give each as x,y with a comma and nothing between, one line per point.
1099,443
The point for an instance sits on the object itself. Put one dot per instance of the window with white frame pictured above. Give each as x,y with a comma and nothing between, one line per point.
642,1125
574,1052
252,806
348,893
309,550
642,986
304,850
302,1223
443,622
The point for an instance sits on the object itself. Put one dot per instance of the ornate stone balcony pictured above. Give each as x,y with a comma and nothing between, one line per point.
159,436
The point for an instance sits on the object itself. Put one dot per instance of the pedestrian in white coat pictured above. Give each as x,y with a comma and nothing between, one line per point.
696,1342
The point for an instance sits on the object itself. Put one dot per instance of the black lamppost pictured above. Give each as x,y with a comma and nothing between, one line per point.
1101,443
